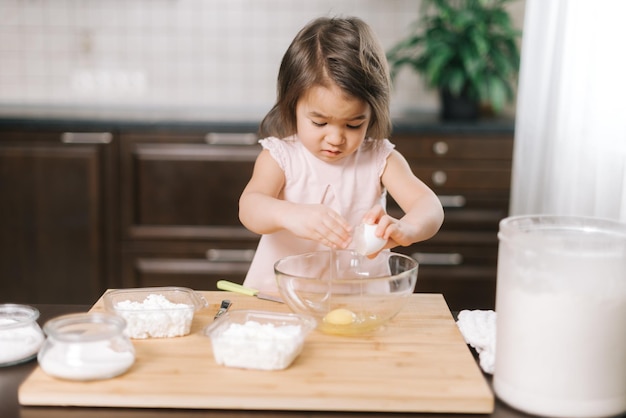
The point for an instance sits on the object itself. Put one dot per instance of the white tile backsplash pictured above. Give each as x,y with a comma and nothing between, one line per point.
172,53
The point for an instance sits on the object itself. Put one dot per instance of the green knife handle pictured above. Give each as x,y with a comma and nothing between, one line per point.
235,287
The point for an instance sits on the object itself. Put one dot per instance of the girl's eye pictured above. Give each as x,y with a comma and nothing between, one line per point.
355,126
320,124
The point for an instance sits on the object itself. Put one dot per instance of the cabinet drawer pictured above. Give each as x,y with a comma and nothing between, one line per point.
466,276
192,273
455,147
465,291
181,189
450,248
168,178
460,162
196,265
466,212
462,265
457,177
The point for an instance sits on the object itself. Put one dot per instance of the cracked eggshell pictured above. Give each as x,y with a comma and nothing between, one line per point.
366,240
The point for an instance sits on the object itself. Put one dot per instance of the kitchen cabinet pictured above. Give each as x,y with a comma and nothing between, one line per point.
179,207
180,194
470,170
57,215
91,205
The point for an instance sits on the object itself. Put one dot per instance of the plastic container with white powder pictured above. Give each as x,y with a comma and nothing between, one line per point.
155,312
86,346
20,335
258,340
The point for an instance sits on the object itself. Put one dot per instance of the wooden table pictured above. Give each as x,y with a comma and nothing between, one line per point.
11,378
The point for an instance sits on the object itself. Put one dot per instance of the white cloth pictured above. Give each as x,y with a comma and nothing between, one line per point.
478,328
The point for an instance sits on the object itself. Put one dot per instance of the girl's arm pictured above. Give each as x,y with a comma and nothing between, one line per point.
259,203
263,212
423,213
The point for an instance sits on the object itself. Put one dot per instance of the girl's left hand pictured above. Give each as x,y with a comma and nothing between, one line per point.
393,230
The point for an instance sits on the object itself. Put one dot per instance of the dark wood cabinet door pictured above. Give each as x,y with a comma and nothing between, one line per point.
55,231
180,210
197,265
176,186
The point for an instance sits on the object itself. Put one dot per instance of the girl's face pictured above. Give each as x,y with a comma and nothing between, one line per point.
330,124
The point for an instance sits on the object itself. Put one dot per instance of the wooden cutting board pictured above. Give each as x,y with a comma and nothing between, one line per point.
418,363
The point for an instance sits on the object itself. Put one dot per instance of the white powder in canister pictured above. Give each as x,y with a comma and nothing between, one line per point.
253,345
85,360
18,343
155,317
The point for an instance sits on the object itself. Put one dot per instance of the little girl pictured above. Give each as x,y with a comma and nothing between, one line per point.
326,164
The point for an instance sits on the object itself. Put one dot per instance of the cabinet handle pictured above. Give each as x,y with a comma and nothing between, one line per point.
439,178
440,148
221,255
228,138
189,266
86,137
438,259
452,201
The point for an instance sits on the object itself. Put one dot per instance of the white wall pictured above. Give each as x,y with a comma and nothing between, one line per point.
173,53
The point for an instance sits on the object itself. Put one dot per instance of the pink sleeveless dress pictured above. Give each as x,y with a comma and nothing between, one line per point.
350,186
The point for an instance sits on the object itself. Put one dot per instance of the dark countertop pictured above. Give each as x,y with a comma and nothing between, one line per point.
12,377
207,119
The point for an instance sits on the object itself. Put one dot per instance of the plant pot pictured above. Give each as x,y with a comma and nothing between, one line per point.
460,107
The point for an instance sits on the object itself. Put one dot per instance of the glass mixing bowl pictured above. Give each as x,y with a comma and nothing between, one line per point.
347,293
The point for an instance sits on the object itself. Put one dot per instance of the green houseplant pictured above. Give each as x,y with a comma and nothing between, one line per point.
467,49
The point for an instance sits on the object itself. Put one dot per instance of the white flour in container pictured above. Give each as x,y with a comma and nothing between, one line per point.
155,317
86,360
18,344
253,345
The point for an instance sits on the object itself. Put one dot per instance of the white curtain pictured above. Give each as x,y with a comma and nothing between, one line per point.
570,140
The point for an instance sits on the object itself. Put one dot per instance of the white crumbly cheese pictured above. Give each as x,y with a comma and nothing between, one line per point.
253,345
18,344
155,317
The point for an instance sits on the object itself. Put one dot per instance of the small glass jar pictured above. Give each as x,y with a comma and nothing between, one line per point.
86,346
20,334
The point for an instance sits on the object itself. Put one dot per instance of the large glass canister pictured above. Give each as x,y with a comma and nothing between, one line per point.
561,316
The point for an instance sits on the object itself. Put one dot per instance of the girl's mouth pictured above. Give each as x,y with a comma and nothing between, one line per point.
332,153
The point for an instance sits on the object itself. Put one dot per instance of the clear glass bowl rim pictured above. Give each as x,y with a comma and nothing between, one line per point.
385,278
26,315
54,328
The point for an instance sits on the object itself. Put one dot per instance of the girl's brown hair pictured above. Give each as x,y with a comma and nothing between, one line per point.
343,51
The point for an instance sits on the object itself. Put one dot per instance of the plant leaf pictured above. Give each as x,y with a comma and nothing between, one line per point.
456,82
463,45
497,93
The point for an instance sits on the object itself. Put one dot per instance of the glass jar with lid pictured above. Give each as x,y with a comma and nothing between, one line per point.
86,346
20,334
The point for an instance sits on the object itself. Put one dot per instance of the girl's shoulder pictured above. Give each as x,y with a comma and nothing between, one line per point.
378,150
274,142
279,148
378,146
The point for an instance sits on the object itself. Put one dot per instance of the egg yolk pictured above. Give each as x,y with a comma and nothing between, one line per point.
340,316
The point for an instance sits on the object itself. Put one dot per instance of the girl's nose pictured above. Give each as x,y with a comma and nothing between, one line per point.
335,137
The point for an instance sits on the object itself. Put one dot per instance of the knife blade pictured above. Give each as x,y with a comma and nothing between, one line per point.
237,288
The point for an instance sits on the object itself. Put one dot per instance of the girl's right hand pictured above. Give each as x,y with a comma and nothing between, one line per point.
319,223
